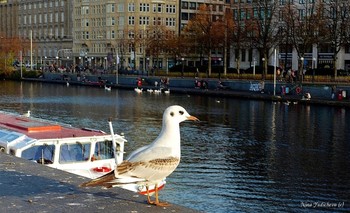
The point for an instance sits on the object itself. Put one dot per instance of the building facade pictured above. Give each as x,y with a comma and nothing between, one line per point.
47,26
111,32
100,34
8,22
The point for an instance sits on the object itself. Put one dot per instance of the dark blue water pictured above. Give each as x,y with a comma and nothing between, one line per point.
244,155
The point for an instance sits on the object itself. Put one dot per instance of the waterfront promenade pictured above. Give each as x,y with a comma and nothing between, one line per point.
31,187
321,93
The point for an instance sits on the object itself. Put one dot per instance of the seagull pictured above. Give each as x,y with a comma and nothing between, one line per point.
152,163
138,90
67,84
167,91
108,88
27,114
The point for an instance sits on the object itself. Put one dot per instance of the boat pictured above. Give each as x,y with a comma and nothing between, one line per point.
82,151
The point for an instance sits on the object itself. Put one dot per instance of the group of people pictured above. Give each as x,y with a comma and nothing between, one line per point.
289,76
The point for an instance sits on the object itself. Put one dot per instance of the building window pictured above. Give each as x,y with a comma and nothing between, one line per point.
184,16
170,9
144,20
144,7
192,5
62,17
157,21
131,35
121,7
157,8
131,20
184,5
301,14
170,22
131,7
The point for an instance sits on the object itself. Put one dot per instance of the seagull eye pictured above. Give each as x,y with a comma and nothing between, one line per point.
181,112
172,114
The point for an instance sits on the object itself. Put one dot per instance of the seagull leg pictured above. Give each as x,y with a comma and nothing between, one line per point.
148,197
157,203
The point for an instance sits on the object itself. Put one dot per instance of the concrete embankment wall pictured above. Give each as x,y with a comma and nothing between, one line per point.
323,91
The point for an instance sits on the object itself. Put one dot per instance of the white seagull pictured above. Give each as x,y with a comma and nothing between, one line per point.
27,114
152,163
138,90
108,88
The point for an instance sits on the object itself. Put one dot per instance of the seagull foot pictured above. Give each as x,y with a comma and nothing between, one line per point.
165,204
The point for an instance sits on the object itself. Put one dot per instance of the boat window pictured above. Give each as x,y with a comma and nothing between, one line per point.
103,150
2,134
74,152
11,137
41,154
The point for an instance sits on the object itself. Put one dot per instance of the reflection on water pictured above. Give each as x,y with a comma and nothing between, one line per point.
244,156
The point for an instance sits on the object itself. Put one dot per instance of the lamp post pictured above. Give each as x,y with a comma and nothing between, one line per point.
254,61
182,70
106,63
44,63
220,68
313,69
302,69
57,60
263,65
274,74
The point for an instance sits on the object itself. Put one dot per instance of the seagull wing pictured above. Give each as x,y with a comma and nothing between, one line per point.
139,169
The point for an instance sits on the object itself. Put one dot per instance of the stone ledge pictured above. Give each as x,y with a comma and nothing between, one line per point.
29,187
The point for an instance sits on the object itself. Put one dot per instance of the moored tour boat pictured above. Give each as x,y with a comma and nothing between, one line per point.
86,152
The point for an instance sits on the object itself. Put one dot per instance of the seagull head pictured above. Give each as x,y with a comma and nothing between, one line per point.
177,114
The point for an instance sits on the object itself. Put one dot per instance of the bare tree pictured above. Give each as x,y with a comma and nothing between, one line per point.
238,32
304,27
338,24
207,30
265,23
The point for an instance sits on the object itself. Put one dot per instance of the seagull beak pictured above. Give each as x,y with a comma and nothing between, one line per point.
192,118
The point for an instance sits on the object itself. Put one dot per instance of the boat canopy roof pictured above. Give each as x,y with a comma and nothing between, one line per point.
42,129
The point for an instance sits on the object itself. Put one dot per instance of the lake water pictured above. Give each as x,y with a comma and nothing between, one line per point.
244,155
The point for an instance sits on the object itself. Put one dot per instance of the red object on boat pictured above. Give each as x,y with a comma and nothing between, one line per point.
41,129
102,169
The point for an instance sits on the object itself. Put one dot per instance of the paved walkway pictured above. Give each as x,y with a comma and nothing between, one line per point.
30,187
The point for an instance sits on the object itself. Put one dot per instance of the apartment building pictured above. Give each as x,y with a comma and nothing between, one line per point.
110,31
318,56
8,18
47,26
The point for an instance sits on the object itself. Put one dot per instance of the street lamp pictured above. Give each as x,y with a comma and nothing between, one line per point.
302,69
57,60
313,69
263,60
45,58
182,70
254,61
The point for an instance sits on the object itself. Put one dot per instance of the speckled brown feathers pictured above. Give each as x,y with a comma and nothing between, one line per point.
108,180
101,181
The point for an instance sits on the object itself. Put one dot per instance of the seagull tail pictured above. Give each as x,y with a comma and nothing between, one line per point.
105,180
